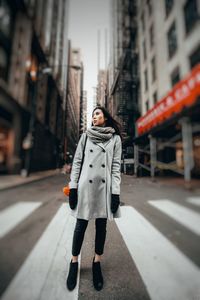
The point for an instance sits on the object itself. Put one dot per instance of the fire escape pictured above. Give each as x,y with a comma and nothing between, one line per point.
128,81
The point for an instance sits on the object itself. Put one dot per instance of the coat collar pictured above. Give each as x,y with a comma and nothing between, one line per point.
104,145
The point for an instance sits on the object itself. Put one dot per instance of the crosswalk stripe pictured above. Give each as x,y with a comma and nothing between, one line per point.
194,200
13,215
166,271
43,274
180,214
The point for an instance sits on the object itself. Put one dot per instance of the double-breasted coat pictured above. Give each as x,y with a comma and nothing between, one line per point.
100,177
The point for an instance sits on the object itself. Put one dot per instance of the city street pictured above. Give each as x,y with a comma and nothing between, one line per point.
151,252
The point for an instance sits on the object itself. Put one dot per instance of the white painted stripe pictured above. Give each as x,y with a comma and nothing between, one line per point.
180,214
167,273
43,274
13,215
194,200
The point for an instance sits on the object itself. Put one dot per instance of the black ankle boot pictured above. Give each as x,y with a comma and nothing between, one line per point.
72,275
97,275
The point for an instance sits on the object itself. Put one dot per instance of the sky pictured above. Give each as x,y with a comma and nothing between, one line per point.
86,17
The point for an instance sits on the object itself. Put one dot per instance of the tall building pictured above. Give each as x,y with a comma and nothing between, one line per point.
74,99
83,124
123,80
33,76
102,87
169,51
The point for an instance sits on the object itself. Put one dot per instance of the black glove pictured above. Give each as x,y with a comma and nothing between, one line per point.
114,203
73,198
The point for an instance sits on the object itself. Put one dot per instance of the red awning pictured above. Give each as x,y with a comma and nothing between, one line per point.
184,94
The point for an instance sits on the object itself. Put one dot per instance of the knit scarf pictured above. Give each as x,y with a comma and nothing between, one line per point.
100,134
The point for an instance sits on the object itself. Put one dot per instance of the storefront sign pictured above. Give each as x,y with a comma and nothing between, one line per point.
184,94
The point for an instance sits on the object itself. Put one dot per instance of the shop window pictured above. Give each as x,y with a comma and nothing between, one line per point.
172,40
175,76
195,57
168,6
190,14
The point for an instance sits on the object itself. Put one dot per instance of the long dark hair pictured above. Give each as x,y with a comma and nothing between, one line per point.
110,122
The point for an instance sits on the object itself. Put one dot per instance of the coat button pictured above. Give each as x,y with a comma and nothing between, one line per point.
103,180
103,166
90,181
91,166
103,150
91,150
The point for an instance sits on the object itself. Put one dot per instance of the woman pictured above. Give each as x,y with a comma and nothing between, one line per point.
95,195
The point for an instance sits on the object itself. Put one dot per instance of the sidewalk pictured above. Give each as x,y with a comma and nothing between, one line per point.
10,181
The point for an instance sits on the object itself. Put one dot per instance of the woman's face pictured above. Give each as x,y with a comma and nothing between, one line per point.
98,118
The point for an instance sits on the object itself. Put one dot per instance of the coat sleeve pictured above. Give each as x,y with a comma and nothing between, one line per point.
116,166
76,165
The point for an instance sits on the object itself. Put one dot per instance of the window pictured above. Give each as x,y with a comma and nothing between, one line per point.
191,14
155,98
153,69
147,105
168,6
143,21
195,57
149,4
145,80
5,38
172,40
175,76
144,50
151,36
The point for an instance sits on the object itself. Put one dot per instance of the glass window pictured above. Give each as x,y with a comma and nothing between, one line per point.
143,21
155,98
172,40
5,18
175,76
195,57
147,105
145,80
168,6
191,14
3,63
151,36
144,50
153,69
149,4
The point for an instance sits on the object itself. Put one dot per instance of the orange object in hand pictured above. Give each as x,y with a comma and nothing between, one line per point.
66,190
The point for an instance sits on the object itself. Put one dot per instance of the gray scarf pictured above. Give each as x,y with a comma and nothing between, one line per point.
100,134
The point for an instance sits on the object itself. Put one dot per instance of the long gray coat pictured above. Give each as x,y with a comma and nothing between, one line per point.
100,177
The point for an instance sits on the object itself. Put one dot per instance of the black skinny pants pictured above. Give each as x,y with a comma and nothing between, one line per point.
79,233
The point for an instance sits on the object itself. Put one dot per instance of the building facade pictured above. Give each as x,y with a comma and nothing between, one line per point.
33,80
74,100
169,51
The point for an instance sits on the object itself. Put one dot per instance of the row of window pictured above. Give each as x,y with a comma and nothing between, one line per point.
175,76
190,12
191,16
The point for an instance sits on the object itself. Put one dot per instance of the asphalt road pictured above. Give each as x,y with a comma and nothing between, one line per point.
152,252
